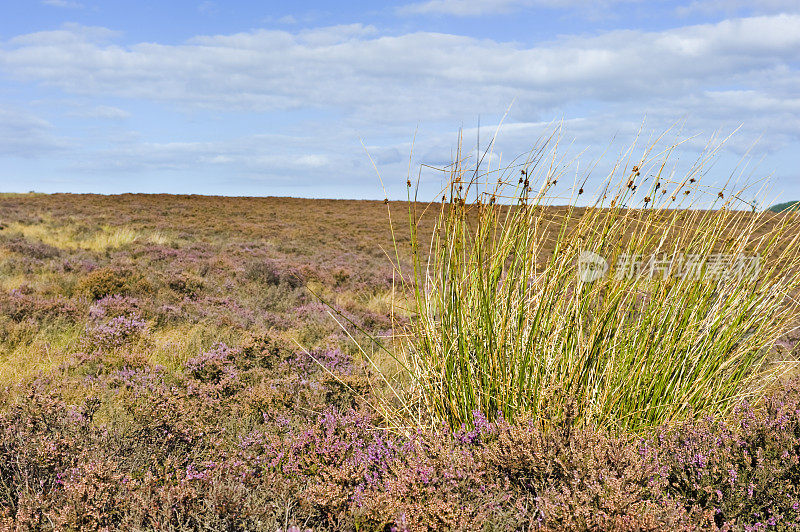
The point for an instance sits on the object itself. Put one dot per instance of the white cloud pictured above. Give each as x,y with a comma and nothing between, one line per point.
25,135
462,8
63,3
379,85
470,8
252,155
731,7
287,19
69,34
101,111
418,75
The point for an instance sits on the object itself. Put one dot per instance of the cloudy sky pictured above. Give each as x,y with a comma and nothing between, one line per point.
276,98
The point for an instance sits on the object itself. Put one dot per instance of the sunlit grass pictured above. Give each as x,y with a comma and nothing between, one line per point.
504,325
384,302
11,282
47,348
172,346
69,236
378,301
158,238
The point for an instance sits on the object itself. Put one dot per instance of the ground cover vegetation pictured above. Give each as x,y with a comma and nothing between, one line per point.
208,363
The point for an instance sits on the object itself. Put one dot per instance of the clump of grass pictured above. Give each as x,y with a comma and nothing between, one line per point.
172,346
109,281
72,237
506,324
109,238
25,353
158,238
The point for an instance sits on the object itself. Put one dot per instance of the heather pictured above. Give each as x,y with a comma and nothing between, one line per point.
195,363
255,438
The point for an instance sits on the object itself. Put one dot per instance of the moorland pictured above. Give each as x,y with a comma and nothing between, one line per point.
208,363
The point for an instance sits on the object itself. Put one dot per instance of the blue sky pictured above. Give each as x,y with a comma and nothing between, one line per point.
276,98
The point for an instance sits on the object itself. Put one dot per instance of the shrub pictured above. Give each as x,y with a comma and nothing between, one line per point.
20,305
266,350
186,284
114,306
271,272
40,439
217,371
173,458
744,472
104,282
115,333
35,250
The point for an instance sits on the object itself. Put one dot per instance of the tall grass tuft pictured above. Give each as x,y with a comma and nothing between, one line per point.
508,322
68,236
